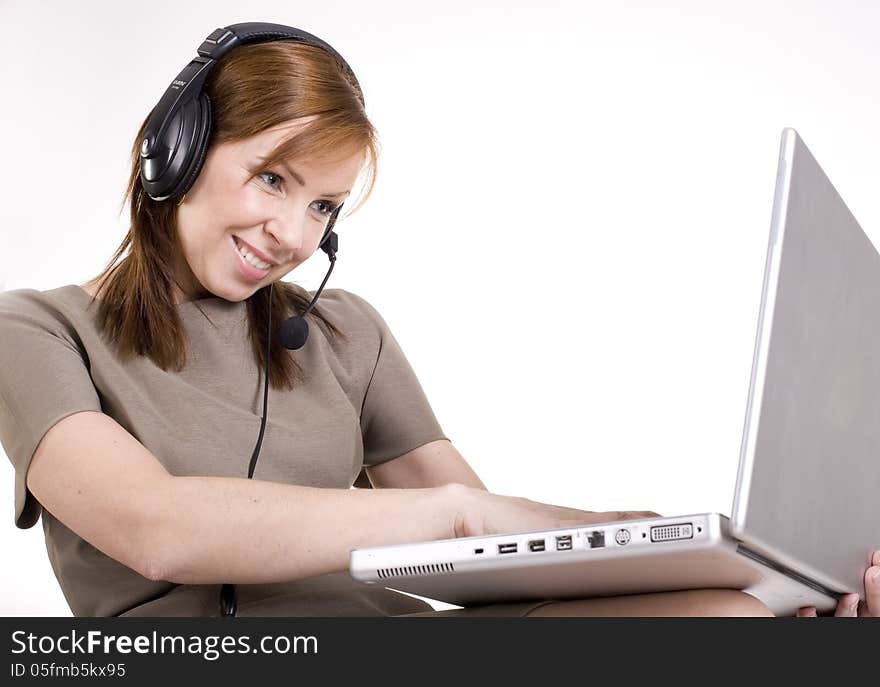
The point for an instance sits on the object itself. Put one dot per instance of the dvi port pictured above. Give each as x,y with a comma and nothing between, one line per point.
672,532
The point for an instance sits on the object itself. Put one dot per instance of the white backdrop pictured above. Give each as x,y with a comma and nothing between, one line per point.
569,226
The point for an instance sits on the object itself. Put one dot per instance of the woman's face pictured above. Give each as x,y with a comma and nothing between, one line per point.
275,216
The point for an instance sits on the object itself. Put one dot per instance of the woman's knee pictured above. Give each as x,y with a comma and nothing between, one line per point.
731,603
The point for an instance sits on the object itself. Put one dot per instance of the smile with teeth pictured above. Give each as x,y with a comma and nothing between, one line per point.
250,257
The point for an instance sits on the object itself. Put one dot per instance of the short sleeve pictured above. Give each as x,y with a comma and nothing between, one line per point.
43,379
396,416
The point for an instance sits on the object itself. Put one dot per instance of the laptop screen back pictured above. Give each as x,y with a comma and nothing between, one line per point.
809,470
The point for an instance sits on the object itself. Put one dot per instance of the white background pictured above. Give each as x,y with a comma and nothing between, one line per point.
569,226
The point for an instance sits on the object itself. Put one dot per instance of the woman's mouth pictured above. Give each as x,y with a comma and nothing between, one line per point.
247,266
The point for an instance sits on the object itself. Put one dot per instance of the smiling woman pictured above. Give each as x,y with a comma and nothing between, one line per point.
150,370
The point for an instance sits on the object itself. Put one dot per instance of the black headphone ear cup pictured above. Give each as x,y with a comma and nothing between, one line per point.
180,152
200,140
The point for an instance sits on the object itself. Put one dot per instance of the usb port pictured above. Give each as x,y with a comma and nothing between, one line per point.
507,548
536,545
563,543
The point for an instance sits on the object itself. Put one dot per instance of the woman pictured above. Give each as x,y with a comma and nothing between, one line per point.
131,409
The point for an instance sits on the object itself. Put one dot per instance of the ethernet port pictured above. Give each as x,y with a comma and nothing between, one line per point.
596,539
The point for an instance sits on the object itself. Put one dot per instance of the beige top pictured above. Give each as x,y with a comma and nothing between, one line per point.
361,405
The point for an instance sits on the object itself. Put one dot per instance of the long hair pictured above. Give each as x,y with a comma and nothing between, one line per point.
253,88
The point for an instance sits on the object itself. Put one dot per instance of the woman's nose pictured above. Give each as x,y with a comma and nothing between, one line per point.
289,234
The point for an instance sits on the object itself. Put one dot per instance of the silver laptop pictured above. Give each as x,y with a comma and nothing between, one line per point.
806,515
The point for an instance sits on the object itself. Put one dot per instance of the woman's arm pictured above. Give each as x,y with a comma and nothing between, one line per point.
103,484
237,530
431,465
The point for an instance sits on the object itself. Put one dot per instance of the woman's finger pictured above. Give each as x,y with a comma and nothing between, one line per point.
847,606
872,588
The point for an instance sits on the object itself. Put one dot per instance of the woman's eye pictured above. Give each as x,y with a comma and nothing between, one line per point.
270,174
327,207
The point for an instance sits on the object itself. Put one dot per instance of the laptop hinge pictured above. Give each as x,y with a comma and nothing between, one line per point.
754,555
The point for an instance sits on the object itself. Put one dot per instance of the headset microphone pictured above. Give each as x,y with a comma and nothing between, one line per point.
294,331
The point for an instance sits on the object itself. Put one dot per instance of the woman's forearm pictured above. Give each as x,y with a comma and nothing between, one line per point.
220,529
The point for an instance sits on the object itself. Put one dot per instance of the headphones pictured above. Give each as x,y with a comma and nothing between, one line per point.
172,153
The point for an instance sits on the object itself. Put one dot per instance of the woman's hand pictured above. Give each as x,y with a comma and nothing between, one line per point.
479,512
849,604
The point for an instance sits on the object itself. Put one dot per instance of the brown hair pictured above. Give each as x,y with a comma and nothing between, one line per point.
255,87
